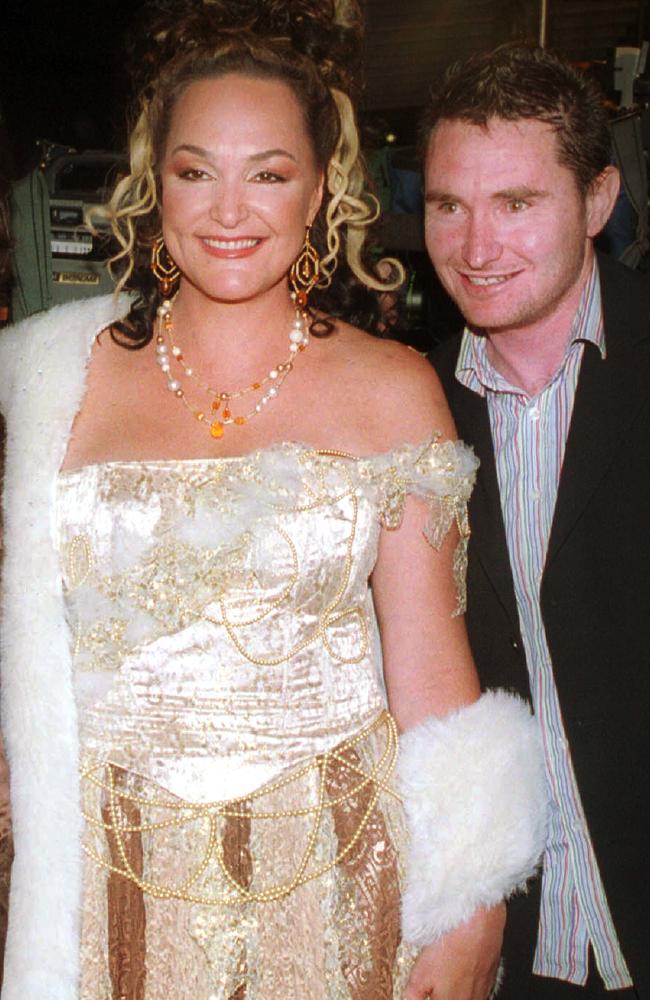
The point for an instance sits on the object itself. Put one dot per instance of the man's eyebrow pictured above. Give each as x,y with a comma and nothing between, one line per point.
523,193
433,194
265,154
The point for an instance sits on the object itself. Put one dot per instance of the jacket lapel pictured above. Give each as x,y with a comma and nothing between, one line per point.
609,395
488,539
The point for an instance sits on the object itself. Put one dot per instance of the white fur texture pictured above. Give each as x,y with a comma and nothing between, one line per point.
475,796
42,377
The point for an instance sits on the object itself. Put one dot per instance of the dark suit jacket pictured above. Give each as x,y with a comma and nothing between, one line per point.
595,592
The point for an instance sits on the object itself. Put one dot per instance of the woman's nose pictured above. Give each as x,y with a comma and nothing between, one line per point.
228,206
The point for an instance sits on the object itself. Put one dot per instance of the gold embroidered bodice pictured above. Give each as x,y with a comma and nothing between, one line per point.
225,650
220,609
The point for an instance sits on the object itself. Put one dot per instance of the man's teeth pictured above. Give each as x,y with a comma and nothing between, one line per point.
232,244
496,279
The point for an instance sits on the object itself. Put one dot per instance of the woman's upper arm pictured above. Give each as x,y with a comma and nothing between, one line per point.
428,665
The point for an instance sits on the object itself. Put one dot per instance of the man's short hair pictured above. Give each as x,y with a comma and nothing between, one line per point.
518,81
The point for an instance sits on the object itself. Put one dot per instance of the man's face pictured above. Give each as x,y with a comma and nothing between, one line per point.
506,227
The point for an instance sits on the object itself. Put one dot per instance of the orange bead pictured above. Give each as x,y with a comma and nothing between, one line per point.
226,414
256,385
200,415
240,420
216,403
216,429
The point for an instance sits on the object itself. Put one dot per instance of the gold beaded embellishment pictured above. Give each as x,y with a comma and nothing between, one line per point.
220,415
375,780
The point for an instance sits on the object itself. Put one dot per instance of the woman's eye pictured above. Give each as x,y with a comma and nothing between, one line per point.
193,174
268,177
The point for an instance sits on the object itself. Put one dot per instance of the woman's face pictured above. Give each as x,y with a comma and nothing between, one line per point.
239,185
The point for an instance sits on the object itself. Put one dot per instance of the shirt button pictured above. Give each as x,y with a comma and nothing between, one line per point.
535,495
533,413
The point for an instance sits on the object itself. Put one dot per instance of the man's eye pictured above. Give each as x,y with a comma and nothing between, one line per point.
449,207
517,205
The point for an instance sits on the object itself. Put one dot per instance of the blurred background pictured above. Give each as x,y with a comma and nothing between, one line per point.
63,98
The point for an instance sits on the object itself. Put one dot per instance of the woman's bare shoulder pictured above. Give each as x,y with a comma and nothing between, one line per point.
395,387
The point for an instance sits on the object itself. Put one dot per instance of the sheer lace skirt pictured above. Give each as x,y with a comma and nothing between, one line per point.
291,893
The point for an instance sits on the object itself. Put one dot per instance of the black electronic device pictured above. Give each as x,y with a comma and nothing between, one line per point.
77,184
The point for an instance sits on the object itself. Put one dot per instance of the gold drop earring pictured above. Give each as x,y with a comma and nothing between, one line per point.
304,273
163,268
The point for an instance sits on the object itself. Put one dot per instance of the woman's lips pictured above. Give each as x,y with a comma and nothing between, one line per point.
242,246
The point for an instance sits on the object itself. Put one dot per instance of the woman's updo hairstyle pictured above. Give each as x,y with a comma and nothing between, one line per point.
311,45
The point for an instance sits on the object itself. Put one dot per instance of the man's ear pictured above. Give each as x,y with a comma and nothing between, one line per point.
601,199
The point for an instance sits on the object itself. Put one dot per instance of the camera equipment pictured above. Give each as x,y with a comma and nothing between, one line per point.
56,255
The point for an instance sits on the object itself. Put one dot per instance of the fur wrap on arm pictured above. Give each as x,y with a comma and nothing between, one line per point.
42,381
475,797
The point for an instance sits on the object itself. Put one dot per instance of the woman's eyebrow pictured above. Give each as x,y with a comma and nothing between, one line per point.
265,154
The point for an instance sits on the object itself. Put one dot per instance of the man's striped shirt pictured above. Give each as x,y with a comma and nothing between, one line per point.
529,436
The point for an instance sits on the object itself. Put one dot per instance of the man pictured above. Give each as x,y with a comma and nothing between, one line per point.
550,382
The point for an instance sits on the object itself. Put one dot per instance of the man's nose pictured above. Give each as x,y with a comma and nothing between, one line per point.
481,245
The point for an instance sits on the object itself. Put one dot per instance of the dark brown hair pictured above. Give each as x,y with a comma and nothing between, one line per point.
518,81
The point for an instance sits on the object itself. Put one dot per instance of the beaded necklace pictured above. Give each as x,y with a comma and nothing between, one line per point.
220,415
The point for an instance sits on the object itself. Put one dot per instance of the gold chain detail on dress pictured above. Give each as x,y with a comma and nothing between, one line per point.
80,551
331,615
445,510
377,779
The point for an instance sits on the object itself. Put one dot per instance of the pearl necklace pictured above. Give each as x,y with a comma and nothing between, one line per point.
165,354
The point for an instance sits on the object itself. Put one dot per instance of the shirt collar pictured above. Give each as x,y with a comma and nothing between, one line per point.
475,371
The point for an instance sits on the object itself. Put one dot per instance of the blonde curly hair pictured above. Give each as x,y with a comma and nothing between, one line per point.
204,44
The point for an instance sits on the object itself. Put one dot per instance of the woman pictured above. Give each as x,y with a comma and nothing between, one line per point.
202,760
